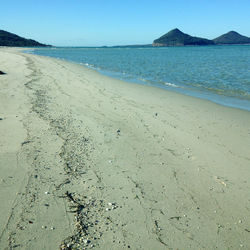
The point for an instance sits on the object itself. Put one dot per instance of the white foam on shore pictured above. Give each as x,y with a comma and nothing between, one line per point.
171,84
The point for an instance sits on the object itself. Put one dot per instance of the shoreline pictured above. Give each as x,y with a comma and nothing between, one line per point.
227,101
90,161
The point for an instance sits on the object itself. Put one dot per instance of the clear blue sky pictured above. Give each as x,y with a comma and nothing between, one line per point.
112,22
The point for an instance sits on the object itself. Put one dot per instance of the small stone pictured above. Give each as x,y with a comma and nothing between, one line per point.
52,228
2,73
240,221
1,119
110,204
46,192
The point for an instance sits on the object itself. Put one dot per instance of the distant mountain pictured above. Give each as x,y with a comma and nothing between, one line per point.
232,37
177,38
12,40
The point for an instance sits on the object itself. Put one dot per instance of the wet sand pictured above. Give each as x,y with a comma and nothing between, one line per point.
87,161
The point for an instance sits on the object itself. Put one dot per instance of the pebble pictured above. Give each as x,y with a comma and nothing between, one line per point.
46,192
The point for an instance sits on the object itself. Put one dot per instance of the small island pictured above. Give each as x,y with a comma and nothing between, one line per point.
232,37
176,37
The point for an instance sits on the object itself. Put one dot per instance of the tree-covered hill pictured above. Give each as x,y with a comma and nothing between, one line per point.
177,38
12,40
232,37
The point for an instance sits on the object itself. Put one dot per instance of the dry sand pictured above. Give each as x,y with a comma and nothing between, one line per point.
89,161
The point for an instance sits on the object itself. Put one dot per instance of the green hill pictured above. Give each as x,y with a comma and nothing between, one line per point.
232,37
177,38
12,40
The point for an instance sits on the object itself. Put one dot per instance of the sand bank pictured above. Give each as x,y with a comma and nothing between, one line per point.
90,161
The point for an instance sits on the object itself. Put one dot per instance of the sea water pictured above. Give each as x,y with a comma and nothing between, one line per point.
217,73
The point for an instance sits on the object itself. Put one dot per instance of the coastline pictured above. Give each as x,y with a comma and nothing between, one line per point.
137,167
226,97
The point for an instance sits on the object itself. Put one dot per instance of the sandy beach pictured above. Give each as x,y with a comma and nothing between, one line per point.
87,161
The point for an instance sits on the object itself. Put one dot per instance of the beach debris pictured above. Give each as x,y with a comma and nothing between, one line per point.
175,217
31,222
157,226
25,142
218,179
112,206
67,181
2,73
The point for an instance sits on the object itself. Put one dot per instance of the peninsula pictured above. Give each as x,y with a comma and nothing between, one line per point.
13,40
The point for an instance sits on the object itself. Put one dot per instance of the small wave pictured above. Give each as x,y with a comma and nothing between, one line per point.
171,84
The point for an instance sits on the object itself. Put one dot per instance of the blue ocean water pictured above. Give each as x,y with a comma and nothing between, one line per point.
217,73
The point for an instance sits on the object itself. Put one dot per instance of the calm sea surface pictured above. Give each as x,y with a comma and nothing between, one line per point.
217,73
